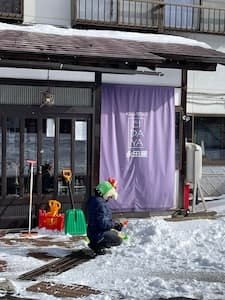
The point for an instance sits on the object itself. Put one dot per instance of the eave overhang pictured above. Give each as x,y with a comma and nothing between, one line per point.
52,51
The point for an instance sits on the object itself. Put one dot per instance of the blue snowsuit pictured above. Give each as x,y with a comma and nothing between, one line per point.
99,219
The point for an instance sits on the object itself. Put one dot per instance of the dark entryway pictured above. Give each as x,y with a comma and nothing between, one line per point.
57,138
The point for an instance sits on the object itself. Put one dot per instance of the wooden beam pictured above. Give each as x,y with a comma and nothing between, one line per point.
183,151
96,123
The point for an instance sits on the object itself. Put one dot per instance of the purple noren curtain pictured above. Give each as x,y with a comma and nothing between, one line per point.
138,145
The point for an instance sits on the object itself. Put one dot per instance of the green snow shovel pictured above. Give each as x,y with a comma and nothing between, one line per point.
75,223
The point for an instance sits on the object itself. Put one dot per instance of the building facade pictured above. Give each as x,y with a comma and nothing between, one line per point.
66,135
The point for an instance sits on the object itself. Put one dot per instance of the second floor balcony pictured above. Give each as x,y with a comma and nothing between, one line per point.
202,16
149,15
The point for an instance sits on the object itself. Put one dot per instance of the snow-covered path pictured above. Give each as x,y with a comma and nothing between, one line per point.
160,259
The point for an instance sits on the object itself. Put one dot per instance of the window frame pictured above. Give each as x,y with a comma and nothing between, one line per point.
205,160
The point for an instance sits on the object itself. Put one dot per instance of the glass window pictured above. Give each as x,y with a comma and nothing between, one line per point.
64,159
81,147
47,151
30,151
179,14
12,155
209,133
10,6
80,156
65,144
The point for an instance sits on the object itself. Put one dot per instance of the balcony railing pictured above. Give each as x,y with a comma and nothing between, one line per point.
148,15
11,10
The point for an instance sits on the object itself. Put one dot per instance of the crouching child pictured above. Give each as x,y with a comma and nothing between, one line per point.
99,218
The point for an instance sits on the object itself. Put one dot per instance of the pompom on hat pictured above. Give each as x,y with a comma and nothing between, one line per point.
113,182
107,190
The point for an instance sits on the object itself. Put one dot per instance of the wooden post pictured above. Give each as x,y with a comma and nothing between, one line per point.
96,131
183,152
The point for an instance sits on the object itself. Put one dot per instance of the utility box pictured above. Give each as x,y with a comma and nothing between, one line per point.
194,162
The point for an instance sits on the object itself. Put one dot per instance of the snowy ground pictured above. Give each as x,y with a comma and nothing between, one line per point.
160,259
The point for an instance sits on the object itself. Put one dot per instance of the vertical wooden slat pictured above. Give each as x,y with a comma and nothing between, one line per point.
181,16
85,9
92,10
97,10
96,130
118,12
175,16
123,12
203,13
147,15
129,12
219,20
135,14
22,8
208,29
74,11
193,19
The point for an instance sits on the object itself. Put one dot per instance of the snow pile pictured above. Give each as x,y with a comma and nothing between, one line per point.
159,259
145,266
134,36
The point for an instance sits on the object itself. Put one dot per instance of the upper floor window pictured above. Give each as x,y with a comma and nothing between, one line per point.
182,14
11,10
209,133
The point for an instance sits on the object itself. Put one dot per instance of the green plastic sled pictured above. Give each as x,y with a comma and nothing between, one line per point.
75,223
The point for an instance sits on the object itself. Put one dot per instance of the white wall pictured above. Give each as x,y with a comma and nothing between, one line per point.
206,95
171,77
52,12
21,73
206,90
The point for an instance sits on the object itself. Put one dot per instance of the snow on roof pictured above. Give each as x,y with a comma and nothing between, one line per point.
134,36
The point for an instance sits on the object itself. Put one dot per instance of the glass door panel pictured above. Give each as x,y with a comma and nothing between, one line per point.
47,155
56,144
30,152
64,153
12,156
80,155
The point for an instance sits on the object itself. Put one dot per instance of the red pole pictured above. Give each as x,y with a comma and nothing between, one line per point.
186,195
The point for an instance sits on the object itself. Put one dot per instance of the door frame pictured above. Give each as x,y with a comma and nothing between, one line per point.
34,112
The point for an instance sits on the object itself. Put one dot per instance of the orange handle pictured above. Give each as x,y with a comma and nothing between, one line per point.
54,206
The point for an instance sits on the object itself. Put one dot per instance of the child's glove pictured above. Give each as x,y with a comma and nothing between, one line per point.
118,226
